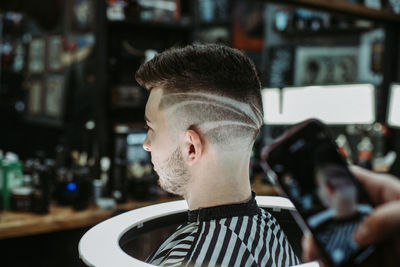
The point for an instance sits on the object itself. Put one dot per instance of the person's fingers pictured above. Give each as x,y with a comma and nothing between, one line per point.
310,250
382,224
380,187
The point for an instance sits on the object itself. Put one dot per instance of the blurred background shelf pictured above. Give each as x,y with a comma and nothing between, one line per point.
344,7
134,23
323,32
18,224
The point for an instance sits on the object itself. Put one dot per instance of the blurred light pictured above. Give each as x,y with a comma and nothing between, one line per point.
393,118
13,16
19,106
271,105
136,138
159,4
90,125
149,54
71,186
6,48
334,104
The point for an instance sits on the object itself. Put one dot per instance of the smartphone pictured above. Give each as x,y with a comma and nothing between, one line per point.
307,166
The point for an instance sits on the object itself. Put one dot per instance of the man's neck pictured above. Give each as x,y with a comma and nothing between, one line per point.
215,188
217,198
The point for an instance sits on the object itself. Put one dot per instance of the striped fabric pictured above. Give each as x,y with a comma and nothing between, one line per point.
337,236
229,235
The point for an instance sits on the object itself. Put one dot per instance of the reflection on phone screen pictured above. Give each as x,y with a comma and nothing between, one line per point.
316,178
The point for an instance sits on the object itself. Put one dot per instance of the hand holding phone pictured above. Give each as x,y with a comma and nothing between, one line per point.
381,227
306,164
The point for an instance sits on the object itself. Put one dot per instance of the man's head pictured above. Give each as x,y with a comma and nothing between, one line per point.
199,95
336,189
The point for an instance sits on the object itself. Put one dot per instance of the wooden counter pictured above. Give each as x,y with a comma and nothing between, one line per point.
16,224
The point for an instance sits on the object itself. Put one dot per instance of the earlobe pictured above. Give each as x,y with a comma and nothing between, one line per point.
193,147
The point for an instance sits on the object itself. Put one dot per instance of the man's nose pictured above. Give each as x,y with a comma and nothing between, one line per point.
146,144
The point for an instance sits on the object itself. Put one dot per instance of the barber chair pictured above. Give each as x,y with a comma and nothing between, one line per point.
118,240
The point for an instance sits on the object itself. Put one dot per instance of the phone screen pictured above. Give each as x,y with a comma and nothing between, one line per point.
310,170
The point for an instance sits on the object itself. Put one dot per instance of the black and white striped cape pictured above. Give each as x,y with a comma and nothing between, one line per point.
229,235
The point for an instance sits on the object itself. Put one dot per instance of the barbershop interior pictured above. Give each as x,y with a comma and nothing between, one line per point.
77,187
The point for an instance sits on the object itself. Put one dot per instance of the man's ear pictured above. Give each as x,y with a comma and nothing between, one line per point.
193,147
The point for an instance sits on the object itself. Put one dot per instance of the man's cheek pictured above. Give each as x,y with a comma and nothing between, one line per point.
155,161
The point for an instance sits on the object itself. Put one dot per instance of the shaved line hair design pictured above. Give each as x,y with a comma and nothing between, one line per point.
211,87
209,112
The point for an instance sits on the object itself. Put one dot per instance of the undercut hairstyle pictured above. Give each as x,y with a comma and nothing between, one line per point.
211,87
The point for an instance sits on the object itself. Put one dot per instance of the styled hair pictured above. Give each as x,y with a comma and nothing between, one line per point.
203,76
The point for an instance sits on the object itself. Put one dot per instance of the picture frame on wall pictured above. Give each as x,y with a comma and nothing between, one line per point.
37,56
370,59
326,65
35,97
54,52
81,15
54,96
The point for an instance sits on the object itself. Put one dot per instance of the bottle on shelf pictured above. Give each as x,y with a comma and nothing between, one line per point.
12,177
364,155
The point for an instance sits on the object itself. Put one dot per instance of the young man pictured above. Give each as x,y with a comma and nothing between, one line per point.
203,115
